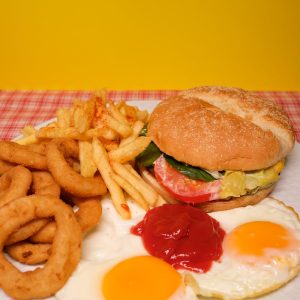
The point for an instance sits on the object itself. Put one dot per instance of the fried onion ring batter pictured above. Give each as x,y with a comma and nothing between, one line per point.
69,179
88,215
65,254
22,155
14,183
29,254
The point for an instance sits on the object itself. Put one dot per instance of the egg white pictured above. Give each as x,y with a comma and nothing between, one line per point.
231,278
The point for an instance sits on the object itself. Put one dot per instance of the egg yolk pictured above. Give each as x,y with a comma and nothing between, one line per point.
254,238
141,278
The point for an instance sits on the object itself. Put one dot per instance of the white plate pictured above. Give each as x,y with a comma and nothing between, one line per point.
287,189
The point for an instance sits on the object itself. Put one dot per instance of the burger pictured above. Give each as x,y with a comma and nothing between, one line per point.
216,147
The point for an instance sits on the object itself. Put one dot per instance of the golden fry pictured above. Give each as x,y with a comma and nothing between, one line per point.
136,129
104,132
27,140
63,118
116,113
131,191
148,193
123,129
53,132
130,150
87,166
28,130
101,159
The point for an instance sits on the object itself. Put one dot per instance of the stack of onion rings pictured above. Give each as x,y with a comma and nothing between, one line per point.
62,260
41,228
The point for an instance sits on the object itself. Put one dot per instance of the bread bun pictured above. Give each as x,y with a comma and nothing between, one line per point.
219,205
219,128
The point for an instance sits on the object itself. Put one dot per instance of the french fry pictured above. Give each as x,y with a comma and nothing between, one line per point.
109,145
160,201
131,191
131,150
120,104
27,140
123,129
132,170
28,130
63,118
147,192
136,129
129,112
54,132
81,120
142,115
101,159
116,113
104,132
88,167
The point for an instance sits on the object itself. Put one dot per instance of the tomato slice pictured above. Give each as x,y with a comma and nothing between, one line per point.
182,187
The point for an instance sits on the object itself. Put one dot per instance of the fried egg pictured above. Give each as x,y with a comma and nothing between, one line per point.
261,252
135,278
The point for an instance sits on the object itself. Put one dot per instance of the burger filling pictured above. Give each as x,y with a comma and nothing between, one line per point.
193,185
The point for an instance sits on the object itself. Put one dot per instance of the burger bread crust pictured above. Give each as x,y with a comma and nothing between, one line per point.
219,205
219,128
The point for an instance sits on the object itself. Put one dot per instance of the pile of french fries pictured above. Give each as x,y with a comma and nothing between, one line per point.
109,142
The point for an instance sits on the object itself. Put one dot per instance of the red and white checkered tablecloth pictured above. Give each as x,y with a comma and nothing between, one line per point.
19,108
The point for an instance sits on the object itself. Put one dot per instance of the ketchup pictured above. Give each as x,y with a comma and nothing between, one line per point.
183,236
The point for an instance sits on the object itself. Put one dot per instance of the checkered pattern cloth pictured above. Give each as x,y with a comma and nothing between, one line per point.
20,108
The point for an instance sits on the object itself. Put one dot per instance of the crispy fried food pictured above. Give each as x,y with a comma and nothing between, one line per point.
19,154
69,147
42,184
45,234
101,159
136,129
38,147
28,253
88,216
130,190
128,173
65,254
14,184
130,150
5,166
89,212
87,166
26,231
68,179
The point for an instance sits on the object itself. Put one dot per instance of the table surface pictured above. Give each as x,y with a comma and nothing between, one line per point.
20,108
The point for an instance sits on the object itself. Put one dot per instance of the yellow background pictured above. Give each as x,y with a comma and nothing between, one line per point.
89,44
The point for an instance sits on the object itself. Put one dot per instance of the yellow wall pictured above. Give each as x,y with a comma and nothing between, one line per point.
88,44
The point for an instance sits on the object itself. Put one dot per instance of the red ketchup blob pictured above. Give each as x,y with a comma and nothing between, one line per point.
183,236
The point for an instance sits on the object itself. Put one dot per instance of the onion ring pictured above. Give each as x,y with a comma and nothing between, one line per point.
19,154
42,184
29,254
88,215
14,184
69,179
38,148
26,231
66,247
5,166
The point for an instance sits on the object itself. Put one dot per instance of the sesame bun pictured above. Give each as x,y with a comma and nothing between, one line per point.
219,128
